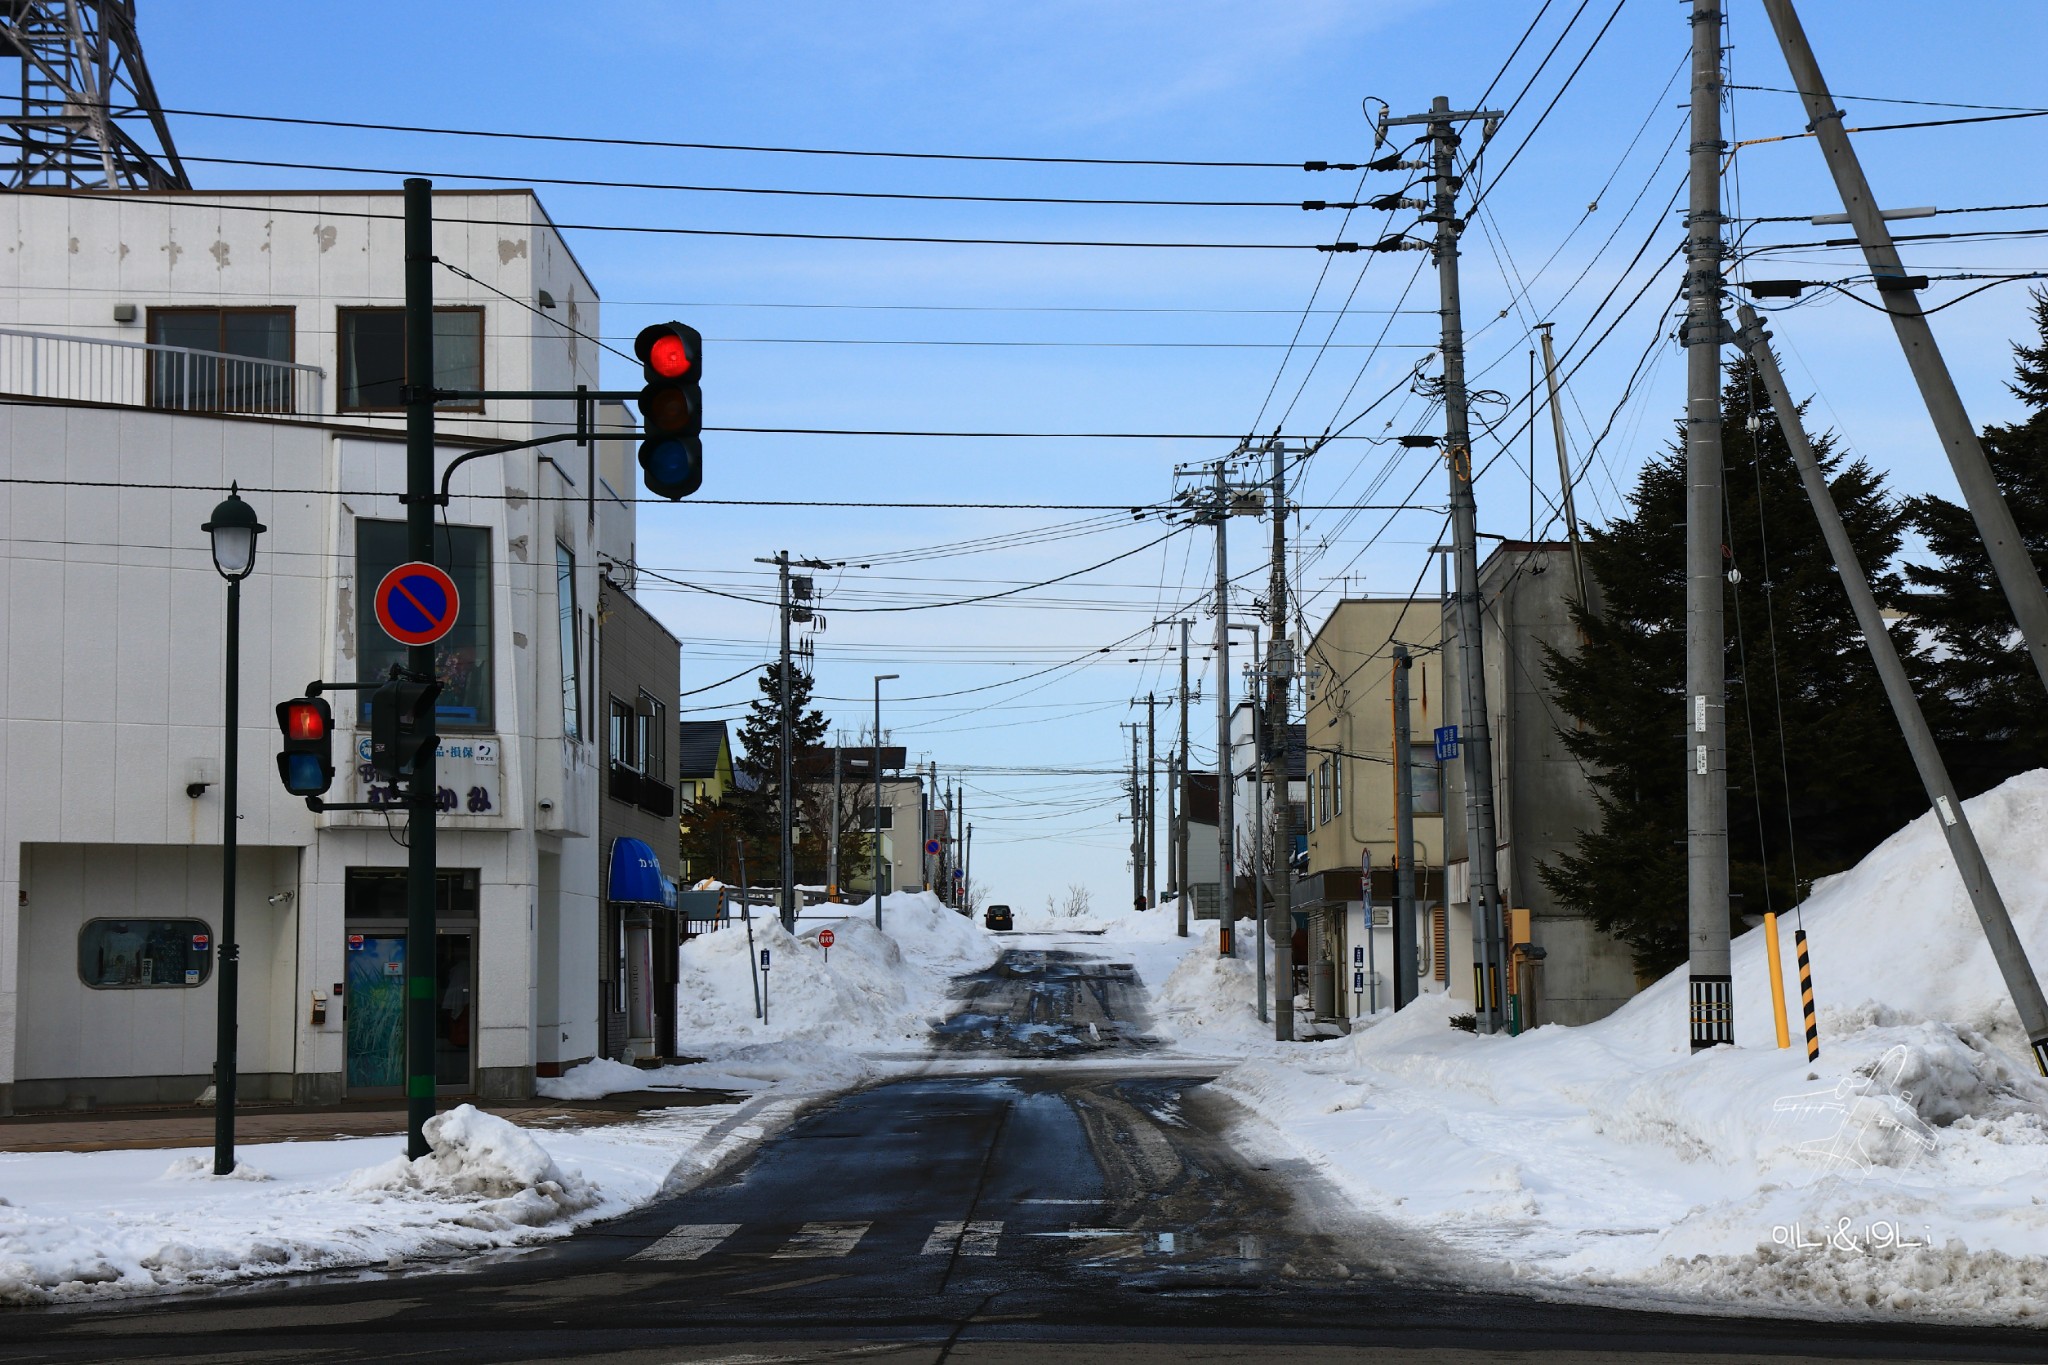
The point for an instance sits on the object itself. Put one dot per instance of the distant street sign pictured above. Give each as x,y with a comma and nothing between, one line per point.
1357,981
931,846
825,939
764,959
1446,743
1358,955
417,604
1365,870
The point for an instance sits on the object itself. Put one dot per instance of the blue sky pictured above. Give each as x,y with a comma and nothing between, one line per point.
1193,80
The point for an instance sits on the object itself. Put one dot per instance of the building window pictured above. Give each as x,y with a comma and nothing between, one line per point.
565,606
117,954
462,658
1337,784
625,736
1323,792
653,718
372,352
1425,780
260,380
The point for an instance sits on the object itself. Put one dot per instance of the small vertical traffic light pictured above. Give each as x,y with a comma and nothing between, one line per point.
401,726
306,763
672,408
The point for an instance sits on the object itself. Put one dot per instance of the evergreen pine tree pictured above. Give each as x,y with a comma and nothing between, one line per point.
1792,643
1986,704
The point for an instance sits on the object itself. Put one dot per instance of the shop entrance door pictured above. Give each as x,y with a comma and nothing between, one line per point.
373,1011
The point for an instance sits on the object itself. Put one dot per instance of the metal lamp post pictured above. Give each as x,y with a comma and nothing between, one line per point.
880,678
234,529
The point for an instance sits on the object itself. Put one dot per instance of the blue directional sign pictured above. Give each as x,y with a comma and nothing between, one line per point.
1446,743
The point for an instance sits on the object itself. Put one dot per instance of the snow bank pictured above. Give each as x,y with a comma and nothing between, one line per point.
871,990
82,1225
1897,1174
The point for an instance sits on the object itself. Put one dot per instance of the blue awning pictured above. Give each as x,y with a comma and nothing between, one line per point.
635,874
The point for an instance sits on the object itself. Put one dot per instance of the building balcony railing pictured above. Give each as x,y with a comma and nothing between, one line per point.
146,374
636,788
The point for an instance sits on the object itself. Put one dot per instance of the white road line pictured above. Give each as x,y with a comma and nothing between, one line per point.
980,1238
942,1239
686,1242
1063,1201
818,1240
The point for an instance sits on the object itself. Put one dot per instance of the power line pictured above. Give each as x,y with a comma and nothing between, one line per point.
1310,205
659,230
357,125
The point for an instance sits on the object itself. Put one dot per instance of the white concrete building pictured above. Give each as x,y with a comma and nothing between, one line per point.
156,348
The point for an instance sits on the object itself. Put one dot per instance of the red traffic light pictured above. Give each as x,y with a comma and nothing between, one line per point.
668,357
305,720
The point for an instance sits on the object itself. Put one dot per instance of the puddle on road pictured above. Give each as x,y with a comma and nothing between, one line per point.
1047,1003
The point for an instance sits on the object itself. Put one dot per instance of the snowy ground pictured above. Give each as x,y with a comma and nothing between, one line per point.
1904,1172
84,1225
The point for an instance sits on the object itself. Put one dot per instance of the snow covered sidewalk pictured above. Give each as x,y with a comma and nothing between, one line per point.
1904,1172
84,1225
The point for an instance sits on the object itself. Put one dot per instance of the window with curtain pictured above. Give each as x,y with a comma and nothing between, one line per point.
1336,784
565,606
625,736
653,725
244,370
1425,780
372,353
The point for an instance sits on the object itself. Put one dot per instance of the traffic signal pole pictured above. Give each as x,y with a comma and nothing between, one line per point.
419,533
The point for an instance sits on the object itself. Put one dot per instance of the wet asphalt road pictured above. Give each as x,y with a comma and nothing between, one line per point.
1067,1207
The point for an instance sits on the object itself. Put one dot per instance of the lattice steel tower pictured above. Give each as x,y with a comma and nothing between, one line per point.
87,115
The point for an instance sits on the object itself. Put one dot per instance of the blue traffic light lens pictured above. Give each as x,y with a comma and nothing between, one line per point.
674,468
304,775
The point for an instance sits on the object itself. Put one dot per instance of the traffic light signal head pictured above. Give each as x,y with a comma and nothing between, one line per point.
401,726
672,407
306,763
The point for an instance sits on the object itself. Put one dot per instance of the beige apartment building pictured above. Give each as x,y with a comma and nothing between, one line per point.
1348,671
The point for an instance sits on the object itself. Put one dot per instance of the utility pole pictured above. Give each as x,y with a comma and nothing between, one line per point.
1179,833
928,860
1151,796
783,793
2006,948
421,863
786,794
1279,676
1474,734
1137,824
967,872
1172,818
1405,958
1564,464
2010,561
832,871
1711,995
1226,880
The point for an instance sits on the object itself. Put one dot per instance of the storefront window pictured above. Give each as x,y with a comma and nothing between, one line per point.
462,659
118,953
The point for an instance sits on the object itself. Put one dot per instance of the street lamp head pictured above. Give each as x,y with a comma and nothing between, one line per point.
885,677
234,529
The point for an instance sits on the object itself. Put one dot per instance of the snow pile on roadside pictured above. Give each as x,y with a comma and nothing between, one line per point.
509,1179
871,989
1898,1173
83,1225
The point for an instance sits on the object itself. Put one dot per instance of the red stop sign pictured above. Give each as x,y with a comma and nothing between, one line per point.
824,938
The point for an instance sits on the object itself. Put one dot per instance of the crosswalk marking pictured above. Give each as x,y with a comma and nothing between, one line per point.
686,1242
815,1240
972,1239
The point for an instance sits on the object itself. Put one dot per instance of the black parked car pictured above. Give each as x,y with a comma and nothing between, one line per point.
997,917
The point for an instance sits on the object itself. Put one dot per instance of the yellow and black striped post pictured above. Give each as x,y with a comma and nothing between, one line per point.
1806,996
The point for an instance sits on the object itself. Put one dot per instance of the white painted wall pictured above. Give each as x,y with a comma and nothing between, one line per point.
112,619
